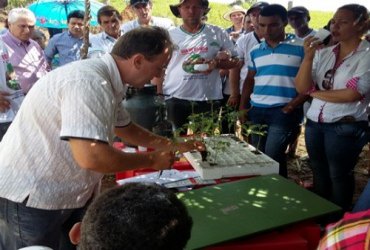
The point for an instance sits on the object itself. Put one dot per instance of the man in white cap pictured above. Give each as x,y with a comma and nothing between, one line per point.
235,15
243,45
143,11
195,90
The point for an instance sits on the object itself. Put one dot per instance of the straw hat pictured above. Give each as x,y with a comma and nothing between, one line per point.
234,9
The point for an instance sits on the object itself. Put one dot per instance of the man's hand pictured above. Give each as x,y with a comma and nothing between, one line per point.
161,159
4,102
233,101
243,117
189,145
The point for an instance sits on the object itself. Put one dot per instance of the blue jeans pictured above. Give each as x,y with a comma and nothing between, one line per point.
280,129
22,226
363,202
333,149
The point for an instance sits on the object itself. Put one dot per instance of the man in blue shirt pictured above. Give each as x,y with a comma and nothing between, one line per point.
68,43
269,86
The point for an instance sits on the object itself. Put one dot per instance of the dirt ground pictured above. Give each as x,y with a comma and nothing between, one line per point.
299,170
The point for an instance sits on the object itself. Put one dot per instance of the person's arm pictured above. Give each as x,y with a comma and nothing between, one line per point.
298,100
234,80
137,135
247,90
337,95
101,157
159,83
303,79
51,50
4,102
223,63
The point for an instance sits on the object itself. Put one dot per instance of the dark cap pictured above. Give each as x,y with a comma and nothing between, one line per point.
175,10
299,10
134,2
258,5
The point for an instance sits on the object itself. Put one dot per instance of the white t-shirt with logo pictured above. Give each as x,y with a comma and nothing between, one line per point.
180,80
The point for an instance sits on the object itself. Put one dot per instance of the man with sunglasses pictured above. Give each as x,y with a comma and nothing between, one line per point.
143,11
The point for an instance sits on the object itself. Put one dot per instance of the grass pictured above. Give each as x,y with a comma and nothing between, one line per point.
161,8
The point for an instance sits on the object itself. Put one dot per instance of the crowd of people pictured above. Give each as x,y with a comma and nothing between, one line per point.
58,119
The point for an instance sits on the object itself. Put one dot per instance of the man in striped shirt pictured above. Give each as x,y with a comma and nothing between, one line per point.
269,86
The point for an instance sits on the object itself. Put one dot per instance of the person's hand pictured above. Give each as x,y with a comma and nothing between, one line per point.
233,101
161,159
243,117
224,72
287,109
189,145
223,55
4,102
234,35
310,45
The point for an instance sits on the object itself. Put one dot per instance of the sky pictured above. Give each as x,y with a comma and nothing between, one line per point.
323,5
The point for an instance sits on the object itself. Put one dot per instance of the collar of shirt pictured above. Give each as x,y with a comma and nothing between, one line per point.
288,39
16,40
108,37
72,36
118,86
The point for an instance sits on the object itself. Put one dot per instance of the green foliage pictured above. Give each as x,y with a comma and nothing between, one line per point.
248,129
18,3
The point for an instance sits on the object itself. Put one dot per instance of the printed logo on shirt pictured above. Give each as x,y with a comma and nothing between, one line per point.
201,49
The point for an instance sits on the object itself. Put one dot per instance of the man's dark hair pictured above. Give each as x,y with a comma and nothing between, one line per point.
136,216
275,10
76,14
108,11
148,41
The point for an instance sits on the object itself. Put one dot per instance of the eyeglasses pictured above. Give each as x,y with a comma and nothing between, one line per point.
24,26
328,81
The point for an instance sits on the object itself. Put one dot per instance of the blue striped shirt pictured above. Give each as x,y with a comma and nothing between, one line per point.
275,70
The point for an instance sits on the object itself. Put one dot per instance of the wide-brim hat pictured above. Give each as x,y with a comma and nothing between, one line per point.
258,5
175,7
234,9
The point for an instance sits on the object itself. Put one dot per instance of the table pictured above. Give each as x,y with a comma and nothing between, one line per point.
245,214
242,208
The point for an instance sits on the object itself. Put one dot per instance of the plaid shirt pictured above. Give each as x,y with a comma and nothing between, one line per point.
352,232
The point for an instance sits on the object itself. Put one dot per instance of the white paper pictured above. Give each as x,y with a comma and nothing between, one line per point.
166,177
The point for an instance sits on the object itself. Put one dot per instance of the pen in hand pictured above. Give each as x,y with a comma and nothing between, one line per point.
161,171
160,174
